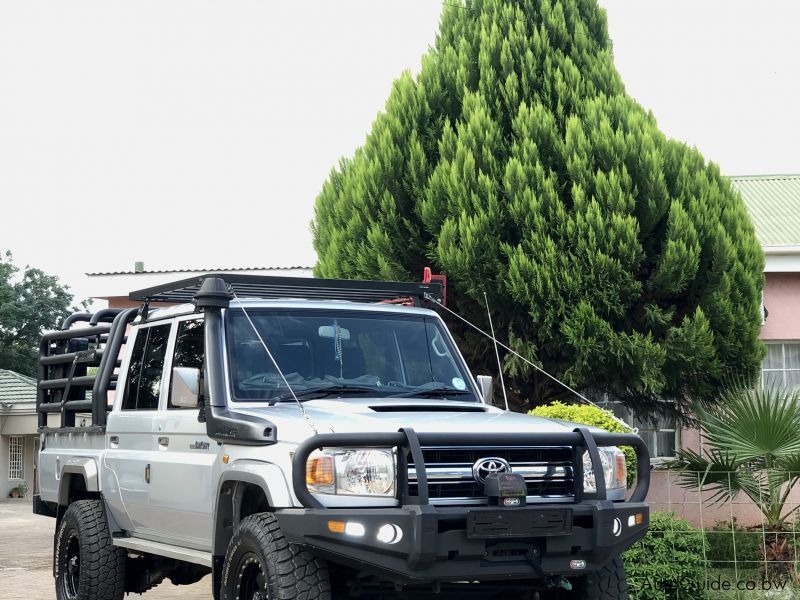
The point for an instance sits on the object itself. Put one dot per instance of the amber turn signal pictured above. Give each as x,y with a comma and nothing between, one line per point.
319,470
621,470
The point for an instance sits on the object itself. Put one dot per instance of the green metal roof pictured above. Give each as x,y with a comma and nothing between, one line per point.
16,388
773,202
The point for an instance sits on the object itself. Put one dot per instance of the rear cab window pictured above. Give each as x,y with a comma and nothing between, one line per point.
146,368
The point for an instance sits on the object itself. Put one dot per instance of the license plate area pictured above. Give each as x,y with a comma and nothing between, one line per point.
518,523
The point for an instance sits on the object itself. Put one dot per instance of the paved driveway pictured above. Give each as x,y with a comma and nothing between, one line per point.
26,546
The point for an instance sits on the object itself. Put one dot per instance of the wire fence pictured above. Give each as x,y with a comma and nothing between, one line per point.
710,545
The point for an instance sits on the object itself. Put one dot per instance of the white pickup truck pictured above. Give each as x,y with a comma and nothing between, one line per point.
304,439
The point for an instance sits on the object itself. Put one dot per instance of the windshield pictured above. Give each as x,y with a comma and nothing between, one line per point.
341,354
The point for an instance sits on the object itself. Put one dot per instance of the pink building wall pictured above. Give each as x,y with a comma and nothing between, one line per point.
782,301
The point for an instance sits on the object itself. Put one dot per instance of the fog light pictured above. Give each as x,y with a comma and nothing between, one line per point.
354,529
632,521
389,534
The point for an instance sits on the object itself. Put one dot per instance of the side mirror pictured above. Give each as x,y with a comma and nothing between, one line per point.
486,386
185,387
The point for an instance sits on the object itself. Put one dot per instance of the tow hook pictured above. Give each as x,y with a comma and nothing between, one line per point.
559,581
551,581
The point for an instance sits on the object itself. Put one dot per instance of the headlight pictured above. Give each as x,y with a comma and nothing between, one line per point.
352,471
615,472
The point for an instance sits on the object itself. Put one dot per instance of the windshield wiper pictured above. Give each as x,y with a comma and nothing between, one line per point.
325,390
442,390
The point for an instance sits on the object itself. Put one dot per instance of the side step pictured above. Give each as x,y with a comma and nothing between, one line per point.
197,557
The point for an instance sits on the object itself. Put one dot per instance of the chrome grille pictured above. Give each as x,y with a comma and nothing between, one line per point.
548,473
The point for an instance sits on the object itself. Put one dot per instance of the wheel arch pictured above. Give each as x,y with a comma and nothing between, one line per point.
244,490
79,480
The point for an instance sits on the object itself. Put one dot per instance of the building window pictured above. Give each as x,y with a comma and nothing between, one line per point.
658,432
781,367
660,435
16,457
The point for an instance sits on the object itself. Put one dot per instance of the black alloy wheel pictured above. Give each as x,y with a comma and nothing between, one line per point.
252,580
70,571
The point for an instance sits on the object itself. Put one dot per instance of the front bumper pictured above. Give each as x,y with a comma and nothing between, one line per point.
460,543
453,544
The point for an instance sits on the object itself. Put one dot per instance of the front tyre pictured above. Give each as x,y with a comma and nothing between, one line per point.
260,564
609,583
88,566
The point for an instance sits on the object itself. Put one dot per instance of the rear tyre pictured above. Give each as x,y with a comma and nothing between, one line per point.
260,564
88,566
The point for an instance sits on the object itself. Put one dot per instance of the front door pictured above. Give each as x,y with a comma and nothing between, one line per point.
182,487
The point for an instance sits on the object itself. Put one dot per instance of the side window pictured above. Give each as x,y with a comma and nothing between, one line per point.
188,349
146,368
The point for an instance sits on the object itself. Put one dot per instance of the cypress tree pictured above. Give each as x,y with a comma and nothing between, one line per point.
614,257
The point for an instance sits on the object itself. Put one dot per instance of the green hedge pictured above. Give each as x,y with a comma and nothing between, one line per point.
668,563
594,417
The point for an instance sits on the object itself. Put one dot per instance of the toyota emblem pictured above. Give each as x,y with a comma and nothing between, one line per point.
488,466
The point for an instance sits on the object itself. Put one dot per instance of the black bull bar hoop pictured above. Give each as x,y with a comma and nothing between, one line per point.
409,444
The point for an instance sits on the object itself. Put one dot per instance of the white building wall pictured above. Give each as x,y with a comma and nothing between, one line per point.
19,424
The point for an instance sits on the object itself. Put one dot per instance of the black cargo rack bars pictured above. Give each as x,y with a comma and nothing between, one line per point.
307,288
64,382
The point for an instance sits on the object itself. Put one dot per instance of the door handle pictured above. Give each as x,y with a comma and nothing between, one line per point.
147,473
163,441
113,440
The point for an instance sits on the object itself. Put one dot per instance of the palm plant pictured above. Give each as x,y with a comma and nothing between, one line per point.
753,447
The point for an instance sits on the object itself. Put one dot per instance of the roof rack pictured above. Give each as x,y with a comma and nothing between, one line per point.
272,287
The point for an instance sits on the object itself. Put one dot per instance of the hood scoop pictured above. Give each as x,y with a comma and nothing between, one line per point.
406,407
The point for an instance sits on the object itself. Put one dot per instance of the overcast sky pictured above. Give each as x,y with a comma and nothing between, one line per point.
197,134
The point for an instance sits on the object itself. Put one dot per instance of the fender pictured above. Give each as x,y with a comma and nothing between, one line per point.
78,465
86,469
266,476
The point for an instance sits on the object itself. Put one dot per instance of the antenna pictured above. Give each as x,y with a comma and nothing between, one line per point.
496,350
306,416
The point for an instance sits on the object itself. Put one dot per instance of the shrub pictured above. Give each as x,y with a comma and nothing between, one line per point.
594,417
668,562
728,542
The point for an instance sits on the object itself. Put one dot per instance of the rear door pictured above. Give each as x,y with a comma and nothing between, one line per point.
132,448
181,489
